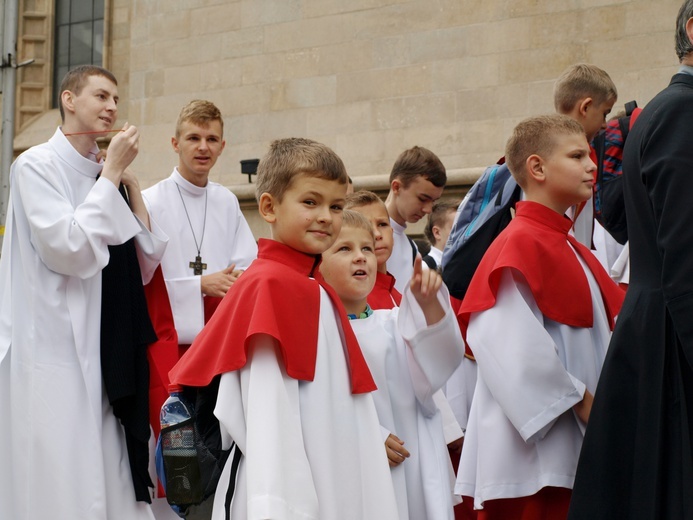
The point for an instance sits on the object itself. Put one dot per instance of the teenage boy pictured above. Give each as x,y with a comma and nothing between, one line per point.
63,450
411,351
294,392
210,242
538,371
417,180
585,93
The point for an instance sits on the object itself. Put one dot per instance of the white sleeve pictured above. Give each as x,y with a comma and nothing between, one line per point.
185,295
451,428
518,361
151,246
72,241
244,246
435,351
279,479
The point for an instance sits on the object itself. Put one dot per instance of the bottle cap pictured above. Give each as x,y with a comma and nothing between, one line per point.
174,389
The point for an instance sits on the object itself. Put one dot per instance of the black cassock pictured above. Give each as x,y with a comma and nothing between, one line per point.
636,460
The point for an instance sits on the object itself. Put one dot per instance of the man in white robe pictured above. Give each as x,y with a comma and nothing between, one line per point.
201,218
63,451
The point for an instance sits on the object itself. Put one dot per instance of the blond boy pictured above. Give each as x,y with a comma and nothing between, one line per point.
585,93
537,372
293,394
412,351
210,242
384,295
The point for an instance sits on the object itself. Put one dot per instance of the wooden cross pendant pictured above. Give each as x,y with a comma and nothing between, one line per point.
198,266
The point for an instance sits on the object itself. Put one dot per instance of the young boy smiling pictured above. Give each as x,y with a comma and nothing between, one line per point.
411,352
294,389
537,372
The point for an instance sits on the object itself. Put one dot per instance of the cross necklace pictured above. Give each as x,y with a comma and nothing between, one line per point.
197,266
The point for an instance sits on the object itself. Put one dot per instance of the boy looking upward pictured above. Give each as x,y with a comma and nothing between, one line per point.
384,295
417,180
294,392
538,371
411,351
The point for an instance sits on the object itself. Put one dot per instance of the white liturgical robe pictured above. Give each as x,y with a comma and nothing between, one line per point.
210,216
62,450
522,433
410,362
401,261
312,449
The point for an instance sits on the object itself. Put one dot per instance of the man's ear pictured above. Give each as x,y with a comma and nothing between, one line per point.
174,143
67,98
689,29
535,168
267,206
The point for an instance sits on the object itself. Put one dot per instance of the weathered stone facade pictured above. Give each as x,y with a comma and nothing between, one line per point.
367,77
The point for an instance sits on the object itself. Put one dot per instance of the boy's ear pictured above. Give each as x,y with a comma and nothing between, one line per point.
584,105
174,143
395,186
266,207
535,168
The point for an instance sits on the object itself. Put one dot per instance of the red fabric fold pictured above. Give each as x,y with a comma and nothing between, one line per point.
535,244
275,297
384,295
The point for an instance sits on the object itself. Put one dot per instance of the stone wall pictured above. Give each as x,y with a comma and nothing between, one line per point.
371,77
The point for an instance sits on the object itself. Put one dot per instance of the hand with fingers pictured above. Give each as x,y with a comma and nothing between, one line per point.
122,150
424,285
396,452
217,284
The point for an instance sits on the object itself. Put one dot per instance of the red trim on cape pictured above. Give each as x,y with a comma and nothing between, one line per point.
535,243
275,297
384,295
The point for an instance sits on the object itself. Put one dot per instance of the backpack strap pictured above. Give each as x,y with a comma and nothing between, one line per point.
414,250
626,123
430,262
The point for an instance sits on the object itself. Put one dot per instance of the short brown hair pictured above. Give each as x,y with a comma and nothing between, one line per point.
354,219
76,78
418,162
199,112
440,210
290,157
536,136
581,81
362,198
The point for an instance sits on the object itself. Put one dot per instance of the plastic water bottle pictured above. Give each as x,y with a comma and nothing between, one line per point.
181,466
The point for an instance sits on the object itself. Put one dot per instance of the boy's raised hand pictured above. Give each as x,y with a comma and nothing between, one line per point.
424,286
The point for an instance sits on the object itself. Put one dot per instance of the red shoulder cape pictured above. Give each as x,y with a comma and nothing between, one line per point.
384,295
276,297
535,243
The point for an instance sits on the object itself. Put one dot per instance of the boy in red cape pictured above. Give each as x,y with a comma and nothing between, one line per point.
538,316
384,295
294,392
